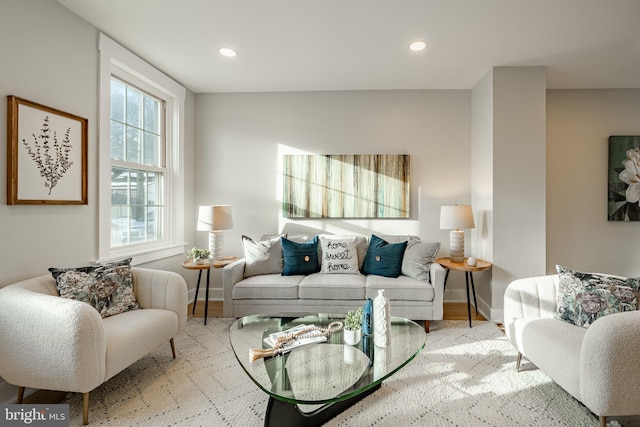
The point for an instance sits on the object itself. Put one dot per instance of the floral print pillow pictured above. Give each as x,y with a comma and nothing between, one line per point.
582,298
106,287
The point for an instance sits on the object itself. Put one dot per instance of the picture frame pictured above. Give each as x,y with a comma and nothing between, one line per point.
624,178
46,155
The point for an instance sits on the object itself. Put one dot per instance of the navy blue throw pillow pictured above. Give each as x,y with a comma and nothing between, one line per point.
300,258
383,258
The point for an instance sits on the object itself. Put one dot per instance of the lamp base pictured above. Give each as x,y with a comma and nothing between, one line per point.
456,245
216,245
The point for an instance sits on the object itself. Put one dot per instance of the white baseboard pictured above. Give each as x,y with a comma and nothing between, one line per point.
215,294
493,314
9,393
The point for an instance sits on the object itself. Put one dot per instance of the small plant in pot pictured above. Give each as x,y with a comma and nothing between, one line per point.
198,255
353,326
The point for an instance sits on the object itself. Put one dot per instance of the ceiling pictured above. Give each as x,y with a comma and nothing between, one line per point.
316,45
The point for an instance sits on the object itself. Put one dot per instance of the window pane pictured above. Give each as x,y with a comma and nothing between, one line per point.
119,226
119,186
117,101
117,140
151,149
154,189
136,192
154,221
133,145
151,115
134,107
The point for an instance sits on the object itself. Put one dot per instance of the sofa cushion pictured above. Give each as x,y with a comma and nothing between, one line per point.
383,258
263,256
267,286
300,258
584,297
418,256
332,286
107,287
361,244
339,255
400,288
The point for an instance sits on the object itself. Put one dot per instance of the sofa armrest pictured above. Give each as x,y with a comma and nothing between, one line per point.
44,334
436,275
231,274
161,289
530,298
609,374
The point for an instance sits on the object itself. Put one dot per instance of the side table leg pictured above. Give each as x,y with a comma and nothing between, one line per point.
466,279
473,288
206,301
195,299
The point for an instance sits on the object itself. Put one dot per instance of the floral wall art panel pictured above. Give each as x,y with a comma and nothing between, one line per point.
46,155
624,178
346,186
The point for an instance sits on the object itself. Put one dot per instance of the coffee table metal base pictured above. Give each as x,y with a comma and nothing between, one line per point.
285,414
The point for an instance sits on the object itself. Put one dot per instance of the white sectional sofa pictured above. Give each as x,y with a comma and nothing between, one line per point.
55,343
598,364
418,298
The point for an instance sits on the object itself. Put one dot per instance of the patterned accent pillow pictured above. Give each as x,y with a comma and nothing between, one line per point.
384,258
585,297
339,255
106,287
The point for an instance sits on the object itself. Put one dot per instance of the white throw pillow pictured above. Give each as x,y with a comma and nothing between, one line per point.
262,257
339,255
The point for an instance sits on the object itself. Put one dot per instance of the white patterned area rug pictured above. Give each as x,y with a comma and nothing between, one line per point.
464,377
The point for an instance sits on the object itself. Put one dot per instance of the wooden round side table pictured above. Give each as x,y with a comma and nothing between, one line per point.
190,265
481,265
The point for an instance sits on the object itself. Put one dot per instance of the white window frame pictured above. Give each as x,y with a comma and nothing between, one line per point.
117,61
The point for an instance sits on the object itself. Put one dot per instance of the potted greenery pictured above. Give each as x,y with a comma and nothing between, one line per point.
198,255
353,326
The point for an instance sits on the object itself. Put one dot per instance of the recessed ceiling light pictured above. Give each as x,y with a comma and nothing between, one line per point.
418,45
228,52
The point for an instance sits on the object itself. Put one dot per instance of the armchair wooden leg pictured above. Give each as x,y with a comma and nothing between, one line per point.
85,408
518,361
603,421
20,395
173,347
426,326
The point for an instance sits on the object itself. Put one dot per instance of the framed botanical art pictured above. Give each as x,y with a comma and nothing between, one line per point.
46,155
624,178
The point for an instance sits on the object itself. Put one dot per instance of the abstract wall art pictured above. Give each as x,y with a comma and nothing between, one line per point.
346,186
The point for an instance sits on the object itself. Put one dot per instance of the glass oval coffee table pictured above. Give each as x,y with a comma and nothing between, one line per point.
313,383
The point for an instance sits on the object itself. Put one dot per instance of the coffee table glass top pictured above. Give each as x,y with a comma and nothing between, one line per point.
324,372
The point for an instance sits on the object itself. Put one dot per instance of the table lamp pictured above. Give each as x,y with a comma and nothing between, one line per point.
215,219
455,218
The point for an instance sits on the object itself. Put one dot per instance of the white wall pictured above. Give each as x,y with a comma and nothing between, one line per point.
50,56
241,137
579,236
518,176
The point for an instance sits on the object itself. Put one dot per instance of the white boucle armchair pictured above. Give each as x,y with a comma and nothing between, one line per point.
598,365
54,343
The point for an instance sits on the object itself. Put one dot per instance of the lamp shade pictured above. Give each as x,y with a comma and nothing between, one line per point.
456,217
214,218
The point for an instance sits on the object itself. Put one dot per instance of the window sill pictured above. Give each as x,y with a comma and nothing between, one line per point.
143,256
